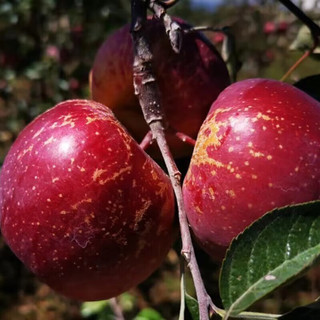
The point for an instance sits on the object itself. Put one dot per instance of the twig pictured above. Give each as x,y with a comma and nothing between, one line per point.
297,63
146,141
168,3
202,28
314,28
185,138
182,289
148,93
116,308
187,248
173,29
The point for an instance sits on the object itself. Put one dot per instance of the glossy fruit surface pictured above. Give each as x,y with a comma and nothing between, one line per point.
189,81
82,205
258,149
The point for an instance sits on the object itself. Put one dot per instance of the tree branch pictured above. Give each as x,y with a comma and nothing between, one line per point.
314,28
173,29
149,97
116,308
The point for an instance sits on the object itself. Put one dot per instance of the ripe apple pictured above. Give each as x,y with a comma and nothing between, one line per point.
258,149
82,205
188,81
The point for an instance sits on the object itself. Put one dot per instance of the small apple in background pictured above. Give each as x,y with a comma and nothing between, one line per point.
258,149
82,205
188,81
52,52
282,27
217,37
269,28
269,56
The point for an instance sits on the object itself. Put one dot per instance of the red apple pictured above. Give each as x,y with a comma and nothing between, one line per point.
259,148
282,27
188,81
82,205
269,28
217,37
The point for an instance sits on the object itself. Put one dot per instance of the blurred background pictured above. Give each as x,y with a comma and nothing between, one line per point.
47,48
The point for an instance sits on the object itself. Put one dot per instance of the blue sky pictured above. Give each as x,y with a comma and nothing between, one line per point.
211,4
208,4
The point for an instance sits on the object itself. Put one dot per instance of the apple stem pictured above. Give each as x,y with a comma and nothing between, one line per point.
146,141
297,63
147,90
185,138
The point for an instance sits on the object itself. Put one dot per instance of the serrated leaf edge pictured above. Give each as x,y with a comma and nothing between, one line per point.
271,273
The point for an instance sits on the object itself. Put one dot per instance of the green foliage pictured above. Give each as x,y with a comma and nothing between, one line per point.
95,308
46,52
193,306
148,314
304,41
274,249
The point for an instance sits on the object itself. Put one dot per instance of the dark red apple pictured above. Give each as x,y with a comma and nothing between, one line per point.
282,27
82,205
188,81
259,148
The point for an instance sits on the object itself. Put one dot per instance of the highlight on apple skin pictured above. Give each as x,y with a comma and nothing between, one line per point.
258,149
82,205
188,81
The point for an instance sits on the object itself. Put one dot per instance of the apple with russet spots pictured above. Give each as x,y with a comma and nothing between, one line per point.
82,205
188,81
258,149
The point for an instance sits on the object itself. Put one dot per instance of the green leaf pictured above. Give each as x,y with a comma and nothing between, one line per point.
274,249
308,312
304,41
193,306
91,308
148,314
127,301
310,85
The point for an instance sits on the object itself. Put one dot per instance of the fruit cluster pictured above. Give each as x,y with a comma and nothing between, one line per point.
81,204
92,214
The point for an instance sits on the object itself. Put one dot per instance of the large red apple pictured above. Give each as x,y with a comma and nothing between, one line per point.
188,81
259,148
82,205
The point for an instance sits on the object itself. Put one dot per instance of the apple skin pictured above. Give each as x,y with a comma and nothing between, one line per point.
82,205
188,81
258,149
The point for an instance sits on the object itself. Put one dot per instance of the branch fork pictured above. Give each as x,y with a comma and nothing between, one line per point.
149,97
